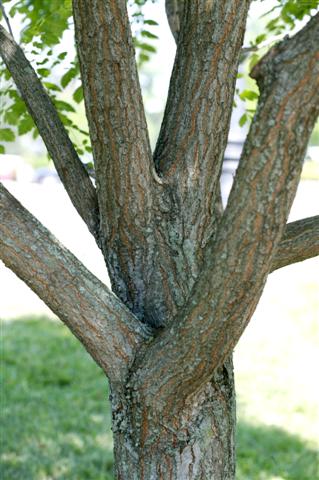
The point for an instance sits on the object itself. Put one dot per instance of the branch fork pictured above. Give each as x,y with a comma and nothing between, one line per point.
176,267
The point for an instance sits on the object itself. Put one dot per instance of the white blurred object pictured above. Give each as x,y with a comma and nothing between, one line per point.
313,153
13,167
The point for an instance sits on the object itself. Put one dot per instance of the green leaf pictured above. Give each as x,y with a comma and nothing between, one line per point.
150,22
35,133
2,149
254,59
7,74
65,120
248,95
15,112
90,165
147,34
147,47
38,45
6,135
143,57
243,119
78,94
43,61
260,38
25,125
52,86
272,25
68,77
43,72
64,106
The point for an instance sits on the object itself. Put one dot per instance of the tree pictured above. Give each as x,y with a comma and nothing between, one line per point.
186,275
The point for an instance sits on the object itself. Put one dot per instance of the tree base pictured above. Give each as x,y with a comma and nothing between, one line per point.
197,446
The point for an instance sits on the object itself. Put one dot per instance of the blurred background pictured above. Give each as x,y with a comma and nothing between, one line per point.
54,405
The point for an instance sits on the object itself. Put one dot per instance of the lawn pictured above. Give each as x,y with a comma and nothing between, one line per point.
56,419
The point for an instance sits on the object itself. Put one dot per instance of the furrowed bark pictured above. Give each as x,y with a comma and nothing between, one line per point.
67,163
122,154
197,445
184,356
108,331
193,136
194,131
300,241
203,78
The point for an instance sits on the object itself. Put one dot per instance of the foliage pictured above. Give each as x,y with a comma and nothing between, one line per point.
45,23
282,19
57,424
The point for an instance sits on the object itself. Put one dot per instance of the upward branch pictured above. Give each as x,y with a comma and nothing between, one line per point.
122,154
194,131
193,137
68,165
229,287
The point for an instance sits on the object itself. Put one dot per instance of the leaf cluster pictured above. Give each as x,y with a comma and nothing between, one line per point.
282,19
44,24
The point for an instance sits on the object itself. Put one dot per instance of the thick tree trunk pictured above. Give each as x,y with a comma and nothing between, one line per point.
197,445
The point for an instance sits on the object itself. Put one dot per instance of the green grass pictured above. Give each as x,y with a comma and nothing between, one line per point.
271,453
55,417
56,420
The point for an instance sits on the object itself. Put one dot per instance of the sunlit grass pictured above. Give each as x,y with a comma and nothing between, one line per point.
56,419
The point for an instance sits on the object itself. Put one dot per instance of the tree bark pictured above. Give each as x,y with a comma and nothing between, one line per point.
175,260
299,242
106,328
70,169
122,154
198,445
225,295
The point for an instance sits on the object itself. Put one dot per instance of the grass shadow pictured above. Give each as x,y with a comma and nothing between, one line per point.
269,453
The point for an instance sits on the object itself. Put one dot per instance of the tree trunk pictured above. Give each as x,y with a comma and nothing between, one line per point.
199,445
186,276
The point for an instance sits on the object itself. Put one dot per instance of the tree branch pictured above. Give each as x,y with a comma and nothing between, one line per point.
229,287
203,81
68,165
193,137
5,16
300,241
122,154
108,331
